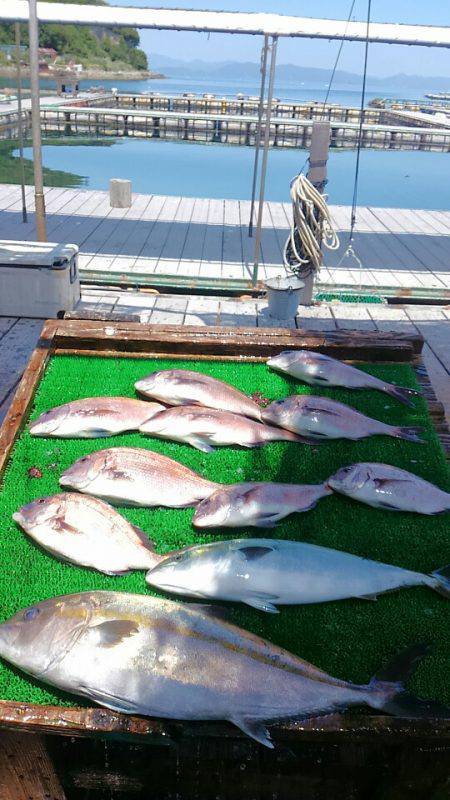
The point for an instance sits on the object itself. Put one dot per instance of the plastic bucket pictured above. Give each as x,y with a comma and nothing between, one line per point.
283,295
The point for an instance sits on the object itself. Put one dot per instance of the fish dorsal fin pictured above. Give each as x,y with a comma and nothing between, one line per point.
215,612
144,539
114,631
255,729
253,552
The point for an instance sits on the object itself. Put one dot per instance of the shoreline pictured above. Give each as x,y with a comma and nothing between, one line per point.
91,74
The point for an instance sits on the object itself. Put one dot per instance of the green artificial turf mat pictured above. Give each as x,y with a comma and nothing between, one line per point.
349,298
350,639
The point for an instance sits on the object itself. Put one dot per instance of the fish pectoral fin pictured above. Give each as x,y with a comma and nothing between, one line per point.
112,632
255,729
144,539
200,444
390,506
62,526
269,520
109,700
262,601
379,483
254,552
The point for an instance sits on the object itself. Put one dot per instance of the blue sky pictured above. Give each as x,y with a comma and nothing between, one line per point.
383,59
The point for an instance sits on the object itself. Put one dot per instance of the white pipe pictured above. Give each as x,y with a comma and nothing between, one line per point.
258,130
262,188
228,22
20,121
33,31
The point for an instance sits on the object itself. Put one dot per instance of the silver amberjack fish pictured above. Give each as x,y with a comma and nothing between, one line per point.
260,505
388,487
322,418
265,573
133,476
204,428
93,417
144,655
86,531
320,370
183,387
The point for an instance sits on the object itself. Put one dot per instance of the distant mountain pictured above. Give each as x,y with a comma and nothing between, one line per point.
291,73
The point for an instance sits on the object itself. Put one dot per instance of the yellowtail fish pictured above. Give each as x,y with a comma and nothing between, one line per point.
86,531
261,505
183,387
93,417
320,370
322,418
265,573
132,476
144,655
388,487
205,427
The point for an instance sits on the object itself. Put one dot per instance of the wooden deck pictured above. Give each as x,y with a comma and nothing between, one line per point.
206,238
19,336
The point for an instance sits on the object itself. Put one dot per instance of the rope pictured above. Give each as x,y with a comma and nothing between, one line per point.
311,229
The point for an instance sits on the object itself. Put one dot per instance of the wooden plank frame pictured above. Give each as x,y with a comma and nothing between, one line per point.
113,339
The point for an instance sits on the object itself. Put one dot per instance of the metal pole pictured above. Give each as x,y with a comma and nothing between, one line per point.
264,52
262,186
19,124
33,31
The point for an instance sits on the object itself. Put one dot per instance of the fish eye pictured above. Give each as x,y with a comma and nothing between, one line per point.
30,613
85,458
40,500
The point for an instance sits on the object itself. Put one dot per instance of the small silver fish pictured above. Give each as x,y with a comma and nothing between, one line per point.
320,370
86,531
135,477
261,505
384,486
93,417
204,427
264,573
183,387
322,418
144,655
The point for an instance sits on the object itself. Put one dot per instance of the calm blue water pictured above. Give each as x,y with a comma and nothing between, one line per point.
387,178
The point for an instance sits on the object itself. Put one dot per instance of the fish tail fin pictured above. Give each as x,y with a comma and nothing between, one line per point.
388,693
441,581
411,433
402,393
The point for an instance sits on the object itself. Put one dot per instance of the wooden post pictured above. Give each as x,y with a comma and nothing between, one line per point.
318,157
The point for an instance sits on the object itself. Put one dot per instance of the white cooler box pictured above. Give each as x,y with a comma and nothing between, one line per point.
38,279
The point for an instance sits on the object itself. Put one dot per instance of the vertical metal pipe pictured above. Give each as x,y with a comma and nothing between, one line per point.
262,186
33,31
19,123
264,52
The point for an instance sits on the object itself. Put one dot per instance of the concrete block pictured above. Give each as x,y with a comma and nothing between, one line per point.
119,193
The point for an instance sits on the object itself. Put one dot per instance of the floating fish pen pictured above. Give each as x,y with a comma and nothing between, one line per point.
239,130
349,639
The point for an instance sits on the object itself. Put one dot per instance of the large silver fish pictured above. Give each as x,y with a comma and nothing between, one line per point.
261,505
320,370
205,427
322,418
144,655
94,417
384,486
86,531
264,573
135,477
184,387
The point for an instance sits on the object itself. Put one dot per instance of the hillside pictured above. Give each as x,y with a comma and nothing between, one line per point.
104,48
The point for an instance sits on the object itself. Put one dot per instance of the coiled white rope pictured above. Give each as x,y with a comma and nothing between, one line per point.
311,228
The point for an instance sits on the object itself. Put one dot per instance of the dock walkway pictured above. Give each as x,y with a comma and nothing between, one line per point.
176,239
